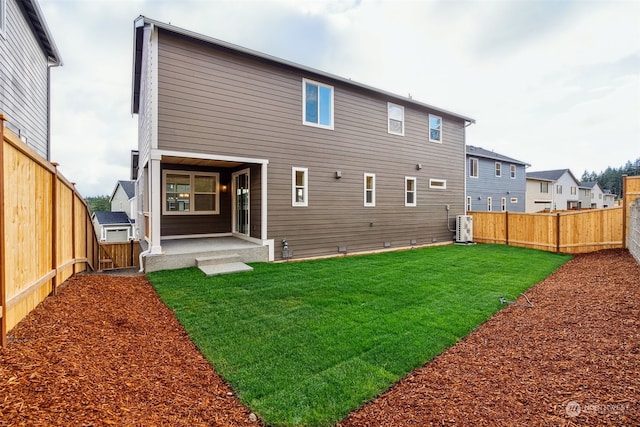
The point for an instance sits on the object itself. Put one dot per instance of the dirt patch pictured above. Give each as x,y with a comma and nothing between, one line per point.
106,351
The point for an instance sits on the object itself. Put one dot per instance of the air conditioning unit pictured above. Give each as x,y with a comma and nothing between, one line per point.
464,229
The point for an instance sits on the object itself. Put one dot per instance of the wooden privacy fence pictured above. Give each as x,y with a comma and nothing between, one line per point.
119,255
45,229
568,232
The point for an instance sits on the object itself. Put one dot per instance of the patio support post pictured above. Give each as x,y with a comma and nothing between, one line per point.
155,192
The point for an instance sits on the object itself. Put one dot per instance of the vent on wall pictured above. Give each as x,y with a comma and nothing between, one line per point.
464,229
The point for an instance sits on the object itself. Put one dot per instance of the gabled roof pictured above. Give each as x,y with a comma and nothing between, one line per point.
111,218
129,188
550,175
590,184
481,152
38,24
140,22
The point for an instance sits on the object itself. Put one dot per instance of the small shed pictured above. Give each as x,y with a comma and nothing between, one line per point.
112,226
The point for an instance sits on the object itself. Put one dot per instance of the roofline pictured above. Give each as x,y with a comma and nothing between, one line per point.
495,157
142,21
41,29
539,179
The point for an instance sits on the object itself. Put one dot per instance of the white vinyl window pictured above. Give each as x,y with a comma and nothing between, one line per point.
190,193
317,104
498,169
574,190
544,187
410,191
489,203
369,189
503,204
395,119
440,184
468,203
514,200
473,167
512,171
299,187
435,128
558,188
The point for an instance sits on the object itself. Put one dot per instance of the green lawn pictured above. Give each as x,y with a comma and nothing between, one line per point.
304,343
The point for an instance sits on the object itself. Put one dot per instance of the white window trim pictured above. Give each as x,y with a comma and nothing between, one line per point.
192,192
439,141
373,190
3,18
389,105
503,204
513,200
438,184
475,161
513,170
558,188
415,190
294,202
489,204
469,203
304,104
498,169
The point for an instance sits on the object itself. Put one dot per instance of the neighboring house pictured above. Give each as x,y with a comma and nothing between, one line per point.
552,190
494,182
27,53
608,199
123,198
596,195
112,226
233,142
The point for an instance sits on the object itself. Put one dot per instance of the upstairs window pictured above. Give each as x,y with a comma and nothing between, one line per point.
435,128
369,189
395,118
317,104
512,171
194,193
498,169
558,189
300,187
574,190
544,187
410,191
473,168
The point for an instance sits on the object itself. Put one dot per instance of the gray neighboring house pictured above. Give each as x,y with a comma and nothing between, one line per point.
552,190
123,198
234,142
591,195
112,226
494,182
608,199
27,54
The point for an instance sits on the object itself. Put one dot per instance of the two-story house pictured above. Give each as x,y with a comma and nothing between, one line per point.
123,198
552,190
494,182
595,199
233,142
27,53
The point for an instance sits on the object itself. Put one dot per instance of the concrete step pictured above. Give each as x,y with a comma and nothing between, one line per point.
218,259
227,268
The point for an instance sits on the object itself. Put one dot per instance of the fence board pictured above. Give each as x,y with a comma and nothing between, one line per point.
119,255
43,228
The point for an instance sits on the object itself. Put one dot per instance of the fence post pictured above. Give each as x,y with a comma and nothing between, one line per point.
3,293
558,232
73,226
506,227
54,229
624,211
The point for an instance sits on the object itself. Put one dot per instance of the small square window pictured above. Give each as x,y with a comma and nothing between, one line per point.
317,104
435,128
299,187
558,189
513,200
369,189
410,191
396,119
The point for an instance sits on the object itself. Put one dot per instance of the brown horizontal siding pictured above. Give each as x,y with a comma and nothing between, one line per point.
217,103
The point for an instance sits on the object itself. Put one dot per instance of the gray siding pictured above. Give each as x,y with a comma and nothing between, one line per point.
489,185
24,81
216,102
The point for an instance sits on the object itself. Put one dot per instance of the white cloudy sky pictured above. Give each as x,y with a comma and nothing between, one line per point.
552,83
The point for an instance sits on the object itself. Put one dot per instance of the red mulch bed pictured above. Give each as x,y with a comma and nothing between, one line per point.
106,351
